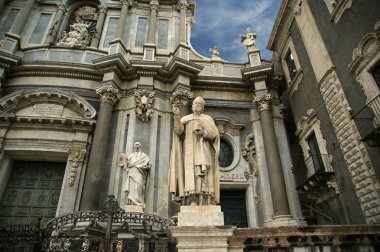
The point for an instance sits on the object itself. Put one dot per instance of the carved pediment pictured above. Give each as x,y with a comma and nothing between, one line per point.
54,104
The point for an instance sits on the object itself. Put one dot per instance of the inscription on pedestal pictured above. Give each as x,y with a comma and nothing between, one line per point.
47,110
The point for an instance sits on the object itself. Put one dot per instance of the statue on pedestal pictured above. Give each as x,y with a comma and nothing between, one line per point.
249,40
194,168
136,166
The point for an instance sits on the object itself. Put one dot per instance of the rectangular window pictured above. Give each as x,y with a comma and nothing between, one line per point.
111,31
176,31
142,27
162,38
289,59
40,29
376,75
127,28
8,22
315,154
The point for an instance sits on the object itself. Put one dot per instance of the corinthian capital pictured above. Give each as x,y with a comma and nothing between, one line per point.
102,9
263,102
108,94
182,5
154,4
126,2
62,6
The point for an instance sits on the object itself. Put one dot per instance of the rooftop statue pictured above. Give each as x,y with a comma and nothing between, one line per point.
249,40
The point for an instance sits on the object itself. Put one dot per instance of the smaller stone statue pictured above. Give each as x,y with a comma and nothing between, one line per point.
136,166
214,51
249,40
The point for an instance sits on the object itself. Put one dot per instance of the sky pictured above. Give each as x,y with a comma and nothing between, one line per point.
221,22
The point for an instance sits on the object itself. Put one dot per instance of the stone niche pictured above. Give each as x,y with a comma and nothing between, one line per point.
233,168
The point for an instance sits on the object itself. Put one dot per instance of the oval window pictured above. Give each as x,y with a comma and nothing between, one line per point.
226,155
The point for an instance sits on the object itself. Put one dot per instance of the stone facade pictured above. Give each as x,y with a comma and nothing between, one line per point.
82,81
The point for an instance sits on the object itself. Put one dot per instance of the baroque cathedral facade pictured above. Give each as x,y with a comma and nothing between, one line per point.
82,81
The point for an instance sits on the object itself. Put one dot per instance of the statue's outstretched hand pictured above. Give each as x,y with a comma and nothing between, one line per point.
175,110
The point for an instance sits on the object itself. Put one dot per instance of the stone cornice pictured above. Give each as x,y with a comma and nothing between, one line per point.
11,103
7,60
282,24
257,72
48,122
177,65
112,63
56,69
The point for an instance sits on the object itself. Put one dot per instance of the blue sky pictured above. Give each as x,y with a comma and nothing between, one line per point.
221,22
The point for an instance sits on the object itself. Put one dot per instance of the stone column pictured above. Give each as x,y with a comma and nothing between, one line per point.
152,21
182,6
62,8
18,26
94,173
122,19
99,26
276,176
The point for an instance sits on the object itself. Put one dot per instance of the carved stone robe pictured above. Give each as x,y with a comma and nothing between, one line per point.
137,173
189,150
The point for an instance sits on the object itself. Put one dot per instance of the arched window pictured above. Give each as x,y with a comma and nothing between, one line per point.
226,155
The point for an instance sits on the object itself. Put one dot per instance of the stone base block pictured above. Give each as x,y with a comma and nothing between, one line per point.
202,239
133,208
200,216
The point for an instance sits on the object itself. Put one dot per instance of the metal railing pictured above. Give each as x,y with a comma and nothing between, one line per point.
368,118
109,230
287,238
319,163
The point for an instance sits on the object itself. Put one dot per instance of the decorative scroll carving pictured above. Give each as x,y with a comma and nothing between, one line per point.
181,97
144,104
108,94
77,36
263,102
249,151
86,13
76,156
154,4
182,5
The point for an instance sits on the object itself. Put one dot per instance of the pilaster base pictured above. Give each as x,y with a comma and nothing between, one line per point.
200,216
202,239
284,220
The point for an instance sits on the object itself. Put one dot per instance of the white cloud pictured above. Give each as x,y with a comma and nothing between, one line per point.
221,22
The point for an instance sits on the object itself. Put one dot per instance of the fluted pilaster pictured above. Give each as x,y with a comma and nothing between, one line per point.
123,18
182,7
61,10
99,26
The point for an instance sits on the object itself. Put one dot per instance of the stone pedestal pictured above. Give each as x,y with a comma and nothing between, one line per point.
202,239
200,216
133,209
201,229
